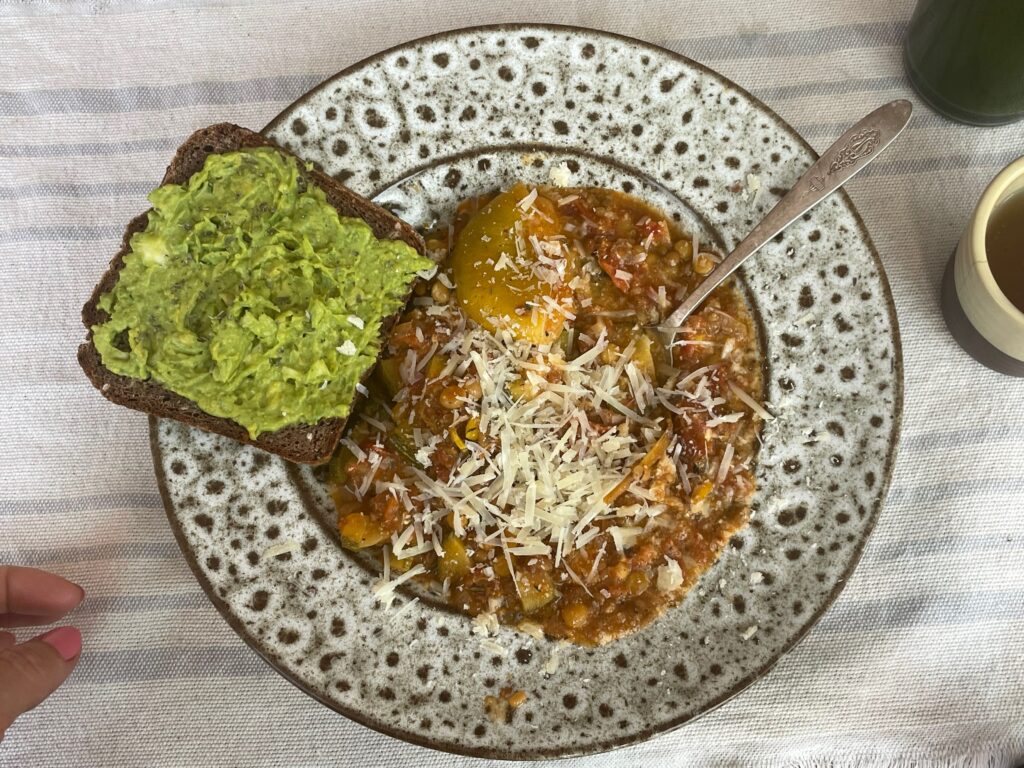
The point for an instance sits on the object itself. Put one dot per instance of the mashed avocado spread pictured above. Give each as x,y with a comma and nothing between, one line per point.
248,294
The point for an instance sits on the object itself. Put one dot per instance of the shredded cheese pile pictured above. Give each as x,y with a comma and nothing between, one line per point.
543,487
555,443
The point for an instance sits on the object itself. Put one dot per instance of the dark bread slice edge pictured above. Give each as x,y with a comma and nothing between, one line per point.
303,443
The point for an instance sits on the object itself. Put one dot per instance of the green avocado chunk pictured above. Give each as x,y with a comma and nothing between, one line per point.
248,294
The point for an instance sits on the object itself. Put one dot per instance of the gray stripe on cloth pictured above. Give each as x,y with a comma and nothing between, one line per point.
832,87
900,549
78,504
960,490
923,118
166,144
61,232
180,663
143,603
73,190
90,148
144,98
797,42
124,550
958,438
19,9
909,166
923,610
206,662
139,189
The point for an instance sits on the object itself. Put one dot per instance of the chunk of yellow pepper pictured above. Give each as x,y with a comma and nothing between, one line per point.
359,531
454,563
493,267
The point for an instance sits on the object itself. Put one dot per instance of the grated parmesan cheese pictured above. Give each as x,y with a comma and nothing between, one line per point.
753,187
384,590
624,536
536,631
504,262
551,665
282,548
670,576
493,647
485,624
726,463
541,493
750,402
427,274
406,607
560,175
527,202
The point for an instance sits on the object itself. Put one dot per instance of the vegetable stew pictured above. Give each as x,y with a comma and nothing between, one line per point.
529,445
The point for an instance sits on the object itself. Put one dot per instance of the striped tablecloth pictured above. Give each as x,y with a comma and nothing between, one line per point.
921,660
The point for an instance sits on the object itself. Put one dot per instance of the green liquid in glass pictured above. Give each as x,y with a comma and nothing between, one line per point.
966,58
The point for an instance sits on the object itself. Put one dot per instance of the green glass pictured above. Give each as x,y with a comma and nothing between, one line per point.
966,58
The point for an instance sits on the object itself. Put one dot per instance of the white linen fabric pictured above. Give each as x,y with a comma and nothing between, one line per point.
919,663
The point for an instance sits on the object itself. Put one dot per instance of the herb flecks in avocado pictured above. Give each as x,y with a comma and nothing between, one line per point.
237,294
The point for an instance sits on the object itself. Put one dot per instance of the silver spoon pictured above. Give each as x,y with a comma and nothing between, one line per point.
838,164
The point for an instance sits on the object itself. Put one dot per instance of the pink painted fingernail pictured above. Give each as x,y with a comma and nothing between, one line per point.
67,641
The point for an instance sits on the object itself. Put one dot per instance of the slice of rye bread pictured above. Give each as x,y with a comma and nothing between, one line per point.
303,443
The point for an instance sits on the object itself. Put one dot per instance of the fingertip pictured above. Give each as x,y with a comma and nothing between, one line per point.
67,594
35,592
69,597
67,641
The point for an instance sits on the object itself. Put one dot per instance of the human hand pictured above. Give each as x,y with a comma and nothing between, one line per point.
31,671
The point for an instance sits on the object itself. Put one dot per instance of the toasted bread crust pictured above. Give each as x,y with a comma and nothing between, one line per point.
303,443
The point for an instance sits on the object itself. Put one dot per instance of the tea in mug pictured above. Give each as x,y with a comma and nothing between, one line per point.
1004,247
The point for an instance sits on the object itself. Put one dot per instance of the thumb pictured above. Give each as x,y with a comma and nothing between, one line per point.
33,670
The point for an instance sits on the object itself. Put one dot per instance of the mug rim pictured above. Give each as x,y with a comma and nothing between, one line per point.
979,227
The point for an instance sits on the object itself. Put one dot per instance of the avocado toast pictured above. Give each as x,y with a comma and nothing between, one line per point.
269,349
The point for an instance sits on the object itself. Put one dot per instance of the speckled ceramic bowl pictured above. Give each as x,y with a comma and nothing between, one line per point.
432,121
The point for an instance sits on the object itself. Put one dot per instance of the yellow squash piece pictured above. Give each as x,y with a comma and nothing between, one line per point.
436,365
495,282
699,498
536,590
400,565
454,563
359,531
390,377
643,357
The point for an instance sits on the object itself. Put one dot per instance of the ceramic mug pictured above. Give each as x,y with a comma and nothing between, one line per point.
979,315
965,58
